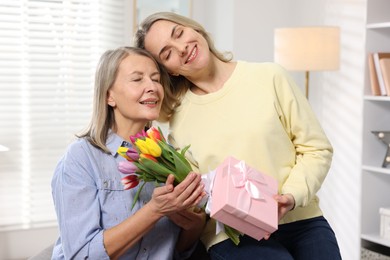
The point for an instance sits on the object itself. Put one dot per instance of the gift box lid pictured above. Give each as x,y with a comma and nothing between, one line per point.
242,197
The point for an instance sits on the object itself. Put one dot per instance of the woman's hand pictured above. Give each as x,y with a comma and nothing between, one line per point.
286,202
169,199
165,200
192,221
189,219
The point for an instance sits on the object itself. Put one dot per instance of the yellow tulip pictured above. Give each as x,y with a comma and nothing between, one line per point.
148,146
122,151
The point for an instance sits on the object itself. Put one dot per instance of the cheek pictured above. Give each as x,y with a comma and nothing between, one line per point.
173,65
128,99
161,92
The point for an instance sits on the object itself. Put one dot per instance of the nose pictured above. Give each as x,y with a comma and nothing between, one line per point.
151,86
182,49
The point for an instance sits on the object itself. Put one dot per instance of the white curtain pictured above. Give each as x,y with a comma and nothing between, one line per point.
48,54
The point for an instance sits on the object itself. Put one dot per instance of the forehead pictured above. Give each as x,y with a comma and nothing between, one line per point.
158,35
137,62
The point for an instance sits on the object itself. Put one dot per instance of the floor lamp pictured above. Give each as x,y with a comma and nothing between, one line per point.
307,49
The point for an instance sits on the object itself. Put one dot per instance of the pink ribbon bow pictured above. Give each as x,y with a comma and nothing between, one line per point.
249,181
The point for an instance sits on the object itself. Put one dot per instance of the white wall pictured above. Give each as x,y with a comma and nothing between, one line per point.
246,28
341,111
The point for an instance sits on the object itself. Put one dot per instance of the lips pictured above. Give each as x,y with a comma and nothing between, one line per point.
149,101
192,55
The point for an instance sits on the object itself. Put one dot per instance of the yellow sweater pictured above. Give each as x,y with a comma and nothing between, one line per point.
259,116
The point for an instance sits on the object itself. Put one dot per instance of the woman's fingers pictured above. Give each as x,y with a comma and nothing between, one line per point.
188,193
286,202
189,218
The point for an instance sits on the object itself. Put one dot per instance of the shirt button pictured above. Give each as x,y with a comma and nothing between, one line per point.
105,183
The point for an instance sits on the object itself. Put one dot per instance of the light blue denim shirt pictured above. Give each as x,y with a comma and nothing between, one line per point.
89,198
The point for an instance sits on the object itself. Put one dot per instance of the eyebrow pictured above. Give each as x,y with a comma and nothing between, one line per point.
172,33
141,73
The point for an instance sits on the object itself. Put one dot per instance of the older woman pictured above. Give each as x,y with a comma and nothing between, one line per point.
95,216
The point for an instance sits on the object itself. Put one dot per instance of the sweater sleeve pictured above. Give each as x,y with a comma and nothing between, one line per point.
313,149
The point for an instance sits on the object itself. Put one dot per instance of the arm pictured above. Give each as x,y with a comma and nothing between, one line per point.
78,211
192,222
165,200
313,151
75,193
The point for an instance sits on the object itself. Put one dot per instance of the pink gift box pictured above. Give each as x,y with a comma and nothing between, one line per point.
242,198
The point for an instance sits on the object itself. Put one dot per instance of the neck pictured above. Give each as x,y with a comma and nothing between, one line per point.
125,129
213,78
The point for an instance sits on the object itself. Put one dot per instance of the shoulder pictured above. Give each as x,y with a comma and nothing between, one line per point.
78,146
81,151
264,67
79,160
263,73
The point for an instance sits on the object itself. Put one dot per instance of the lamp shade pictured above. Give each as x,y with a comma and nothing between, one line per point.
308,48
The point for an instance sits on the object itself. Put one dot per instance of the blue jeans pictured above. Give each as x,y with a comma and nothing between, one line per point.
301,240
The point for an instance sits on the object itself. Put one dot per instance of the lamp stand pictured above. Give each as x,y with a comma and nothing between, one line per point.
307,84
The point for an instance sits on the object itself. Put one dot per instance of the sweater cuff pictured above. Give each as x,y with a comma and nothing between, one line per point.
299,196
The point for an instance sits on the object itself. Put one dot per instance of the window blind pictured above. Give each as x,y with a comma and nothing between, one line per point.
48,55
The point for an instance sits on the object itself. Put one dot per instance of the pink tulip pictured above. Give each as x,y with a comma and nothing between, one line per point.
140,135
127,167
132,153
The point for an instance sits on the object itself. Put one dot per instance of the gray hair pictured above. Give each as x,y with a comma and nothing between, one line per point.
103,118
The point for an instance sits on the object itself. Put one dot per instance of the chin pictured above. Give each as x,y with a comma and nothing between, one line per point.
153,117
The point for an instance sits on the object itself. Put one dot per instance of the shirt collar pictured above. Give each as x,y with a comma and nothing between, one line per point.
114,141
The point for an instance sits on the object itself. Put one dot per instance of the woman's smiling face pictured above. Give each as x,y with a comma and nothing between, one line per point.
136,94
182,50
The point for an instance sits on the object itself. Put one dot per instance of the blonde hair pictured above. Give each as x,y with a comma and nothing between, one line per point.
180,84
103,118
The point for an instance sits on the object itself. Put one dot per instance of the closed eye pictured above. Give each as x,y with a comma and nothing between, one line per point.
167,54
155,77
179,32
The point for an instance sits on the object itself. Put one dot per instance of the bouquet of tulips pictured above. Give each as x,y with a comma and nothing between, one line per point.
152,159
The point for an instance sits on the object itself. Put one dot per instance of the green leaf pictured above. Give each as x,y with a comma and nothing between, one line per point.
148,165
182,169
233,234
137,195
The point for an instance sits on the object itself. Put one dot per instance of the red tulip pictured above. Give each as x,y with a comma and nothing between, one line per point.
154,134
130,181
148,156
